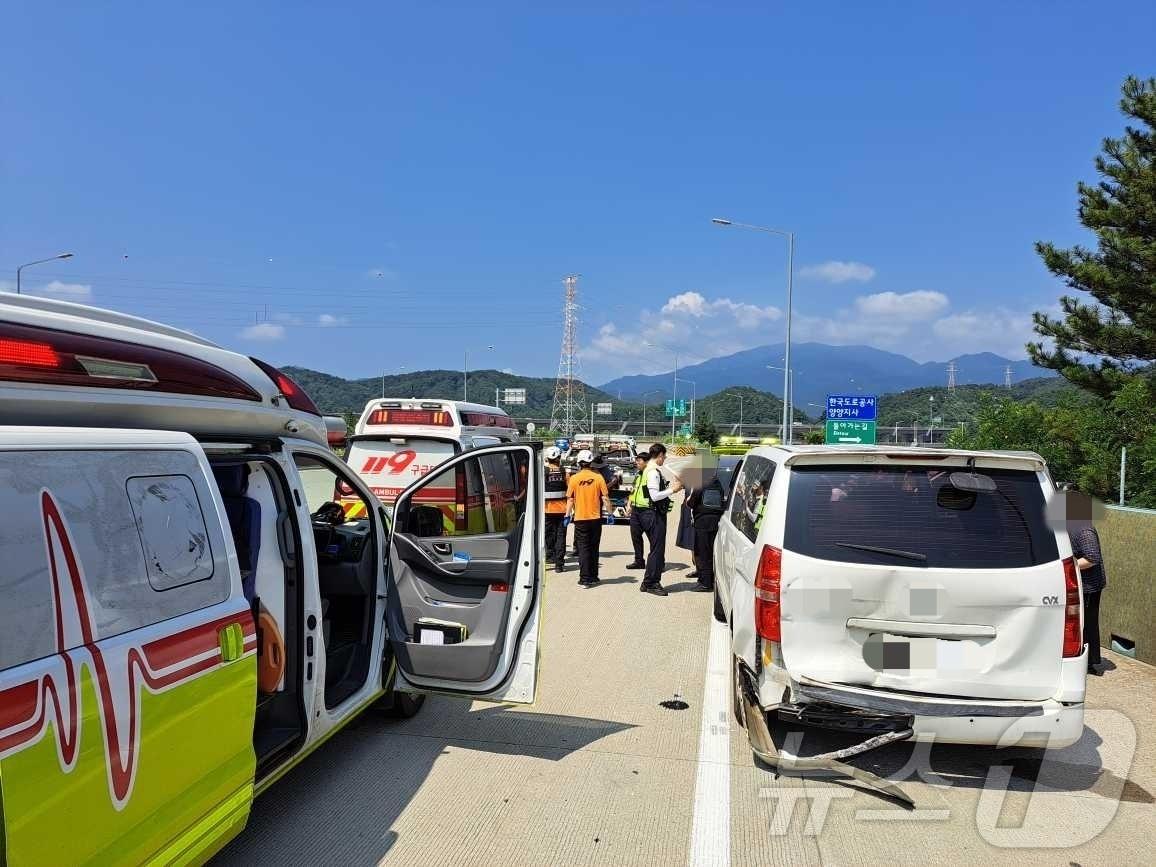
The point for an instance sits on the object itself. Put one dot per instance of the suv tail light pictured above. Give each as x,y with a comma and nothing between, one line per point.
294,394
768,585
45,356
1073,635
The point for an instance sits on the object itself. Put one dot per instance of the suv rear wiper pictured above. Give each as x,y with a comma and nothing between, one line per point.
894,552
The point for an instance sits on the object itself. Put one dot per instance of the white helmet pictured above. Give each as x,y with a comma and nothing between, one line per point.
585,456
553,453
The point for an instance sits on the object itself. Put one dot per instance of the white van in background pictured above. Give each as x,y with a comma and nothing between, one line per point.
398,440
918,592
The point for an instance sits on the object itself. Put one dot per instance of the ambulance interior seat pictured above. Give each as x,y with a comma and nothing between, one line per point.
244,514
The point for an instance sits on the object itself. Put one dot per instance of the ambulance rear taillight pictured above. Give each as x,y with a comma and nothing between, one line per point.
45,356
415,417
294,394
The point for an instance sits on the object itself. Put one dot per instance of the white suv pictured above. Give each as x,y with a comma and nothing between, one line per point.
906,590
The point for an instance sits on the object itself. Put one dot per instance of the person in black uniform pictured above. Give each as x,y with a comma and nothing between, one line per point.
634,513
555,495
706,505
654,519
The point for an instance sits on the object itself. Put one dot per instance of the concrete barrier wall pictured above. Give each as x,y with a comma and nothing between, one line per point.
1128,606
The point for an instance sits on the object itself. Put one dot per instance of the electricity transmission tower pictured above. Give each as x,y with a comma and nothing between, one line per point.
1007,376
951,371
569,413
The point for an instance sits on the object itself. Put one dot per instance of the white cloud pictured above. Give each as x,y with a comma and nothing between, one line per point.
838,272
508,370
697,326
694,305
910,305
264,331
81,293
328,320
919,324
999,330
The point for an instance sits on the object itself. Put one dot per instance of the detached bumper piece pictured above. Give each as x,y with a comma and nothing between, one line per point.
843,719
764,747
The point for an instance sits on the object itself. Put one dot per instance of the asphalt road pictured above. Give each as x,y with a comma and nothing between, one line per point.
598,772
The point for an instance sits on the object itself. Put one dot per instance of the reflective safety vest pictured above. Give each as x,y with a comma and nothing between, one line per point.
640,496
759,516
555,483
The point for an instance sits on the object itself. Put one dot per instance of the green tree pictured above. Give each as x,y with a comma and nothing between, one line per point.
1105,344
706,432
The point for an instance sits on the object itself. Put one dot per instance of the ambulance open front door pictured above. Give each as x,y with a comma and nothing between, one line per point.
465,576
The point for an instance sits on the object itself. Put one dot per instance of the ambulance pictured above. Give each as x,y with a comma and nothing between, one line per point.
396,441
185,611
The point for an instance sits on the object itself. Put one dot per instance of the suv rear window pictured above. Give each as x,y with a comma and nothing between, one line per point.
841,512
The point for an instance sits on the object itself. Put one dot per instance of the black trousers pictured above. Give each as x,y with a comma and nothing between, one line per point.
704,555
654,525
587,538
556,539
637,533
1092,626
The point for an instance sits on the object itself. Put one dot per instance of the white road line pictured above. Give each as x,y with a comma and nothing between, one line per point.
710,837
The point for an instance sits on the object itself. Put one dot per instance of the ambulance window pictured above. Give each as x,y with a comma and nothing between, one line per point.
477,496
322,484
171,526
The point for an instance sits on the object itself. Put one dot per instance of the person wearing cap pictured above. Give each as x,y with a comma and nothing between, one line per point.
586,497
555,495
634,506
654,519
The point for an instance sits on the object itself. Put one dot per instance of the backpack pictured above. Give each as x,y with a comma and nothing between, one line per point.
711,500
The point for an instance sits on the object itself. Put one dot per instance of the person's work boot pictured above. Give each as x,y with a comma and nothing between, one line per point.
636,566
655,589
559,567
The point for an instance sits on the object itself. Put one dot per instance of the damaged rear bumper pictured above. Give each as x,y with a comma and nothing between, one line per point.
1047,723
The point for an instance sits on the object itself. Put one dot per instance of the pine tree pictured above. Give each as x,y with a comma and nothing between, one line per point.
1101,346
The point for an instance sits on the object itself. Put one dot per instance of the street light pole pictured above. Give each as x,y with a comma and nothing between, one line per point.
931,419
466,373
644,396
20,268
790,236
674,389
739,395
789,399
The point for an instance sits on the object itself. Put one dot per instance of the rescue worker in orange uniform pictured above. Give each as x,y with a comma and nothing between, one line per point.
586,498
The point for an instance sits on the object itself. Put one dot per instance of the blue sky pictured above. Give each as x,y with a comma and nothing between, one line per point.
383,187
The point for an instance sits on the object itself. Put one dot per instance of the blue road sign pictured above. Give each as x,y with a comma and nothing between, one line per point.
856,407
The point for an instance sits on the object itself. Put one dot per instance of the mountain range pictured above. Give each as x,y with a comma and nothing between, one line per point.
822,369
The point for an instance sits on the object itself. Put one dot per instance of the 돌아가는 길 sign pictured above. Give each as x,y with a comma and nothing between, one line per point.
850,432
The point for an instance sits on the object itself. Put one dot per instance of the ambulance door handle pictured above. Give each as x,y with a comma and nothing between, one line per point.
443,548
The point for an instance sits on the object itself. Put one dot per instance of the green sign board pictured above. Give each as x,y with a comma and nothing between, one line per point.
853,432
684,430
676,408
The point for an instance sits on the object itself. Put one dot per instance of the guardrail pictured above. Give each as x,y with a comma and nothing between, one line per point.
1128,605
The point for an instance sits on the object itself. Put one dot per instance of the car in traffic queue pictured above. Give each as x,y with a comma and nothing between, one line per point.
185,611
915,593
